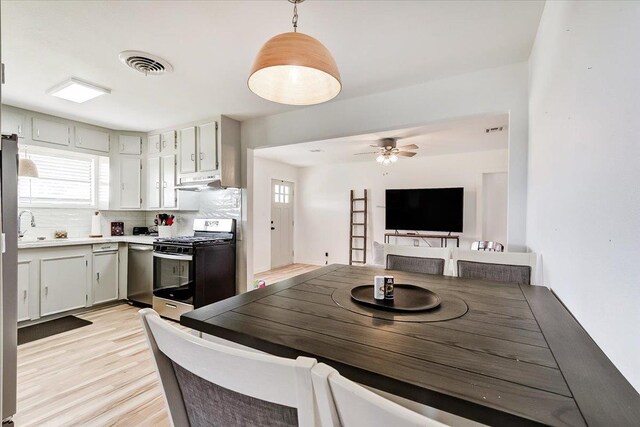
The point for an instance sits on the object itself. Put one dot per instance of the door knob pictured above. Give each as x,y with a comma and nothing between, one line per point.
273,228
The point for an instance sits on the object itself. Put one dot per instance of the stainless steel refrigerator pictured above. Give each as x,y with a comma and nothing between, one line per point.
8,276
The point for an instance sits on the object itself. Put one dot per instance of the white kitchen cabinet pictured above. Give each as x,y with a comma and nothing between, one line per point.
153,182
130,179
128,144
161,186
92,139
105,277
188,150
63,284
167,141
51,132
24,280
198,149
12,122
207,148
154,144
169,199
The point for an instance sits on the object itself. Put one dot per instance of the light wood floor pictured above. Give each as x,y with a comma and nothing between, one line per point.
97,375
281,273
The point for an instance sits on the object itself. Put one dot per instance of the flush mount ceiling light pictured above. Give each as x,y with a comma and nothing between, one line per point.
295,69
77,91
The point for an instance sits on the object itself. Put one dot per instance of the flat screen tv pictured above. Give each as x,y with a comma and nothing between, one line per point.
424,209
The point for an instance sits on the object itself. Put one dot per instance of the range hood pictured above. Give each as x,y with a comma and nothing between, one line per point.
200,182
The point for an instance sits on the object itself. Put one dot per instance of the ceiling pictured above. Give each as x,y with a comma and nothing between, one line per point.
378,45
450,137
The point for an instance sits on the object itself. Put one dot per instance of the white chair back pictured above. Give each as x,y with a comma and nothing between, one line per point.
342,402
183,361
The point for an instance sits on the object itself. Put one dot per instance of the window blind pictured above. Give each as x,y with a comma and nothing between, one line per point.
63,180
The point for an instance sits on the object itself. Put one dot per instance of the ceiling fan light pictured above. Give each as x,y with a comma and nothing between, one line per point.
393,158
295,69
386,161
380,158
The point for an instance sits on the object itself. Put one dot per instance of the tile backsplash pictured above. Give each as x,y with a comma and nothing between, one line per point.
77,221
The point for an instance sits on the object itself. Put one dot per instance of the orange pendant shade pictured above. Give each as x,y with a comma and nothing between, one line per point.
295,69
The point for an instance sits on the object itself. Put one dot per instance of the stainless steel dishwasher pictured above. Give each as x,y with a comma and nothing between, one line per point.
140,275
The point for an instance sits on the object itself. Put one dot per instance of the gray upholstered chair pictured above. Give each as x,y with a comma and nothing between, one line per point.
504,273
413,264
207,383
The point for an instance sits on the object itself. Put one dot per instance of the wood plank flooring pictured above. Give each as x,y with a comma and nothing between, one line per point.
98,375
282,273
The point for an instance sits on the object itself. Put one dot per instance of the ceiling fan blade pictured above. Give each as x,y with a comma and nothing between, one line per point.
370,152
409,147
406,154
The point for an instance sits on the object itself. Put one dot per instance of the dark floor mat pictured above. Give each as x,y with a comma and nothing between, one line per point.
52,327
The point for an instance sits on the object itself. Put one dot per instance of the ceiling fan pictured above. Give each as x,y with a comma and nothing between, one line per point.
388,151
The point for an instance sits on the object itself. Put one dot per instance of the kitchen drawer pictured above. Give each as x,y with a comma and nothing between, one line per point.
105,247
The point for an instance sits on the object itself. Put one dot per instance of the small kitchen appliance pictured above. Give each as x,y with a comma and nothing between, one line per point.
193,271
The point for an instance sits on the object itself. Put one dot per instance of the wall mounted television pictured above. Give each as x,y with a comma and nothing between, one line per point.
424,209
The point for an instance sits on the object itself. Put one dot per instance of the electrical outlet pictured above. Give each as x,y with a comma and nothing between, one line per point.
416,242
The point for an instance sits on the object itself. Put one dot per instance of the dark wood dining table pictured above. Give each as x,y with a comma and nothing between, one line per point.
516,357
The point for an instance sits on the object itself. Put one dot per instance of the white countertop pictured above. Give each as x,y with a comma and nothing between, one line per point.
32,243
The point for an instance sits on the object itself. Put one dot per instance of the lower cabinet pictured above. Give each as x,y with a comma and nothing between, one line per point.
105,277
24,281
63,283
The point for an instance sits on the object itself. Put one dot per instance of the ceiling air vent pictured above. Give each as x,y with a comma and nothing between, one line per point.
145,63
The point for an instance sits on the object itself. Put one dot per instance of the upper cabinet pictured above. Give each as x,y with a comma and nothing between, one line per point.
210,152
91,139
13,122
167,141
207,150
129,144
154,144
130,180
198,149
188,150
52,132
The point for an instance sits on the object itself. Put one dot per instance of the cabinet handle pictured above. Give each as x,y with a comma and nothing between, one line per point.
157,184
122,147
201,156
98,276
170,305
122,186
38,132
46,290
24,294
164,184
193,157
19,129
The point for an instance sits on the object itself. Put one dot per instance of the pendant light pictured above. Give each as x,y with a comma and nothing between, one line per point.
295,69
27,167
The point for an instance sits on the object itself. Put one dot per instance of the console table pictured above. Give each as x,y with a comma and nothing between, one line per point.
444,239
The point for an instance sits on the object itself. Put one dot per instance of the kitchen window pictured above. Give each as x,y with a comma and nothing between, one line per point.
66,179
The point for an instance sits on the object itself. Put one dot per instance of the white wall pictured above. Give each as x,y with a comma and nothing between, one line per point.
263,172
496,90
322,215
584,168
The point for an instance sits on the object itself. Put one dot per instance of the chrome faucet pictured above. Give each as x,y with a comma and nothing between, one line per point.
33,222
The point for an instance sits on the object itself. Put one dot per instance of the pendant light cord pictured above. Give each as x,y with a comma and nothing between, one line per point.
294,21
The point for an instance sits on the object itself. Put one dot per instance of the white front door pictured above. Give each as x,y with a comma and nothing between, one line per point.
281,223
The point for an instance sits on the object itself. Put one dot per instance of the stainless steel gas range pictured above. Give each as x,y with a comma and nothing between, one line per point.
193,271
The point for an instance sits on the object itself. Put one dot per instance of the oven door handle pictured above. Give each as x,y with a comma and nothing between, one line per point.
168,256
